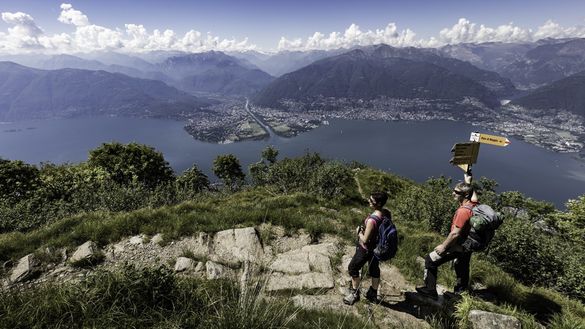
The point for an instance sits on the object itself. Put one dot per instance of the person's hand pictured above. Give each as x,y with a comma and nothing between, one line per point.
440,249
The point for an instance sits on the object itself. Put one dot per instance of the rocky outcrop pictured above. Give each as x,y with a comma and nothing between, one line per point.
488,320
216,271
235,246
183,264
26,268
87,252
306,268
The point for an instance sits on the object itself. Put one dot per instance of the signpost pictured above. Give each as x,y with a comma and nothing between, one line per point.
465,154
489,139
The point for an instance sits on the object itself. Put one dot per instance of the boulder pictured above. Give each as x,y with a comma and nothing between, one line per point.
27,267
200,267
236,246
488,320
157,239
86,252
136,240
183,264
314,280
218,271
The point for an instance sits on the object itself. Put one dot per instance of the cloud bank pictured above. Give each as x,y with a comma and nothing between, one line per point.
24,36
463,31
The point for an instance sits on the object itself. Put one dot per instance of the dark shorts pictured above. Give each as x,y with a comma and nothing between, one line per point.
359,259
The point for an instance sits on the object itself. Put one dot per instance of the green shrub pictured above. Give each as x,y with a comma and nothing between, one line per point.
227,168
132,163
18,180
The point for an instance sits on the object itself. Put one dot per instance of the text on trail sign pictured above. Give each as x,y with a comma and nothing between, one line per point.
489,139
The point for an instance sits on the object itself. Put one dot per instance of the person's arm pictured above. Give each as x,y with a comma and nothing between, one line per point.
365,236
451,238
468,178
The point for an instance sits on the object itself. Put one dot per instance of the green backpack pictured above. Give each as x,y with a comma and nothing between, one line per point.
484,223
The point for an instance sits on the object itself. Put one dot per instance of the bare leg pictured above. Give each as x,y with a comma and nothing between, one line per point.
355,282
375,283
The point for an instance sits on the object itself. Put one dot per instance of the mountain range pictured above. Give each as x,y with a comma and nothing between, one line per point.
370,74
27,93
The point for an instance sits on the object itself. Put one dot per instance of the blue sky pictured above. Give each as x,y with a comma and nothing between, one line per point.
265,22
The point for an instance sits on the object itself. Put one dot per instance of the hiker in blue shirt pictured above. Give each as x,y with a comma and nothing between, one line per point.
364,252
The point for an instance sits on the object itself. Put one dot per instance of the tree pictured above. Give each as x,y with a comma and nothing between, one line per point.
270,154
132,163
193,179
227,168
18,180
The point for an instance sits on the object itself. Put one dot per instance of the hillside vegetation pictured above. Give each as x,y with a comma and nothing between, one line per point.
534,266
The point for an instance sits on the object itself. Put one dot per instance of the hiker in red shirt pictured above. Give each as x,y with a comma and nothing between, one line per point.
452,248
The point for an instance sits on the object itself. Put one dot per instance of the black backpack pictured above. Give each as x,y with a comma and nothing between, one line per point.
484,223
387,244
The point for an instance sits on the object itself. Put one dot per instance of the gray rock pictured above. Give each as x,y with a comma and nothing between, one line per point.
183,264
218,271
312,280
27,267
200,267
136,240
236,246
86,252
488,320
157,239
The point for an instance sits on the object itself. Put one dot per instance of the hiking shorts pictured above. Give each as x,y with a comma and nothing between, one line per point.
359,259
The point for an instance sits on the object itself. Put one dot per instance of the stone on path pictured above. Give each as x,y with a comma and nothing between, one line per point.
217,271
86,252
157,239
236,246
183,264
27,266
488,320
313,280
136,240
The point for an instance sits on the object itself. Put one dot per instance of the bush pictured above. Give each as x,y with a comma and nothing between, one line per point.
18,180
535,257
193,179
308,174
228,169
132,163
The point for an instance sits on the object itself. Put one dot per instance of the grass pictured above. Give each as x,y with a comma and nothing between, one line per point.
200,304
155,298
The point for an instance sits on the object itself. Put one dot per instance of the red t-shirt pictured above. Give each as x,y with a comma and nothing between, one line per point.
461,219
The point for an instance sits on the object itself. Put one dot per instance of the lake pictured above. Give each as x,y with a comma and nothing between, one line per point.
416,150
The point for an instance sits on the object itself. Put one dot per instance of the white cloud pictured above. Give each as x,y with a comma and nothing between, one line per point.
463,31
24,33
72,16
352,36
26,36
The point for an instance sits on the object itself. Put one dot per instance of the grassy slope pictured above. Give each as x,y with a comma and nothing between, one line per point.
214,212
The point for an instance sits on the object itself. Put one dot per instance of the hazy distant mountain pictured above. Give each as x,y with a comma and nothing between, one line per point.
492,56
215,72
56,62
31,93
565,94
367,75
547,63
528,65
491,80
286,61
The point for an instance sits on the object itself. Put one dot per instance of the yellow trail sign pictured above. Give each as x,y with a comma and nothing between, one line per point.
489,139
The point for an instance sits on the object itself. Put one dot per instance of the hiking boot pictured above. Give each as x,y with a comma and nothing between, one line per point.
428,293
352,297
372,295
